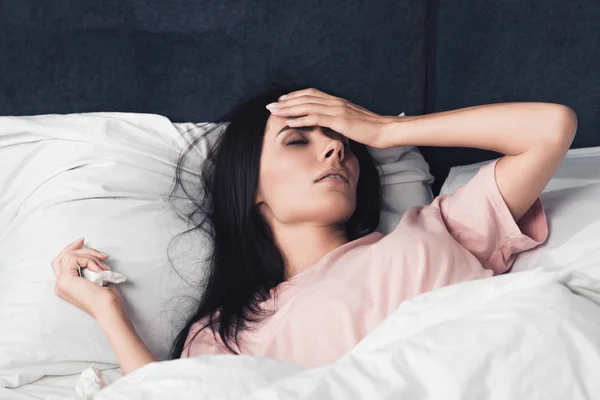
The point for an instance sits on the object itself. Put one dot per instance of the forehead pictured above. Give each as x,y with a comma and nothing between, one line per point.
274,125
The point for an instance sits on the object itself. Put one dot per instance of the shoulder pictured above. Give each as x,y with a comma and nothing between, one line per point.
203,341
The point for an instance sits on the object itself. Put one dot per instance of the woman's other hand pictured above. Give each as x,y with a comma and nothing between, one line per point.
311,107
86,295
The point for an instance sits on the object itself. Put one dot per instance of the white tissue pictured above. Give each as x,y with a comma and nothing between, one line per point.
101,278
90,381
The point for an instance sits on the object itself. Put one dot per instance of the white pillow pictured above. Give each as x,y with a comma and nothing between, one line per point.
405,180
571,205
106,177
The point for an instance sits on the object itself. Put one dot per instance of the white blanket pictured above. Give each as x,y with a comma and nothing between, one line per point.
527,335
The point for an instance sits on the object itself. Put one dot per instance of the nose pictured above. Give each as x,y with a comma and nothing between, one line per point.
334,148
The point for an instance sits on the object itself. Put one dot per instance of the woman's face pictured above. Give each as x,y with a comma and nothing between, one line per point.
292,160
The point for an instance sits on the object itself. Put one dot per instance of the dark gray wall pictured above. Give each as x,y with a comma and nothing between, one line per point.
491,51
192,60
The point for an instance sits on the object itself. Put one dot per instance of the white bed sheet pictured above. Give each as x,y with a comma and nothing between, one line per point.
572,204
580,167
52,387
529,335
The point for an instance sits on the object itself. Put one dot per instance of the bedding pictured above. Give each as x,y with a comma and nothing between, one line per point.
572,207
106,177
441,344
103,177
532,333
57,387
529,335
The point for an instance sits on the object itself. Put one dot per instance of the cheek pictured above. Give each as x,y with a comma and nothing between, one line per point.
284,183
355,168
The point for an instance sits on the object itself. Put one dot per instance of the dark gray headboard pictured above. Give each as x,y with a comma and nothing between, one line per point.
191,60
492,51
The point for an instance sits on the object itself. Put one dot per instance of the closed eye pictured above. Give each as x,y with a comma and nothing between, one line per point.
297,142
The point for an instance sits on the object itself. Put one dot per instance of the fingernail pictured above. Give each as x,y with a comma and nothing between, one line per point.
77,240
273,107
283,97
104,254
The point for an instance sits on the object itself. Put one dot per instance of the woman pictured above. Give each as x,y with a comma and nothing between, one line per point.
298,272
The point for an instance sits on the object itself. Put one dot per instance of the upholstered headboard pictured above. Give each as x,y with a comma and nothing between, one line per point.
492,51
191,60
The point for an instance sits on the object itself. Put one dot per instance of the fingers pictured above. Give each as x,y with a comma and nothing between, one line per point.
96,263
306,109
71,261
328,101
57,266
90,252
306,99
313,120
309,91
71,246
76,247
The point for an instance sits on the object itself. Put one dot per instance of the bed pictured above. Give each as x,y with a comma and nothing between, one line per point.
570,203
98,98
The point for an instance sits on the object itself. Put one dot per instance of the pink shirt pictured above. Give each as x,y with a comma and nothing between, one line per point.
324,311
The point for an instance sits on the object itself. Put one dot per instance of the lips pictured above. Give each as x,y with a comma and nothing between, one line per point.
332,171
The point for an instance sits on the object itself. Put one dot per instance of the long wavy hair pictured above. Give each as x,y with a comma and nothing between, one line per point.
245,262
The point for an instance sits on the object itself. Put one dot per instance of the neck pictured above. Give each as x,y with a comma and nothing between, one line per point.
303,246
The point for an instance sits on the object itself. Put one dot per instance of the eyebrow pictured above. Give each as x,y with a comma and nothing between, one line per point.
308,128
287,127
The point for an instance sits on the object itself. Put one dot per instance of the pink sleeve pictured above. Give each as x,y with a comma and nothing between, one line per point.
478,218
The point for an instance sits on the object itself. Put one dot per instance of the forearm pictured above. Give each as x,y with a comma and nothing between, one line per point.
507,128
533,136
131,352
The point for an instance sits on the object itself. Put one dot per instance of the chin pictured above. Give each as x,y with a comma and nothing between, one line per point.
338,211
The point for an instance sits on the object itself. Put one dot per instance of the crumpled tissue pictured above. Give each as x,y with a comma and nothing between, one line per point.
90,382
101,278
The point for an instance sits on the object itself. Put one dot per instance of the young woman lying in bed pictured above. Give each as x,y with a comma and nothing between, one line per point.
298,271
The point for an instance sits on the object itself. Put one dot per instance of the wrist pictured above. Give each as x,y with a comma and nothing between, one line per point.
389,129
396,132
108,312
